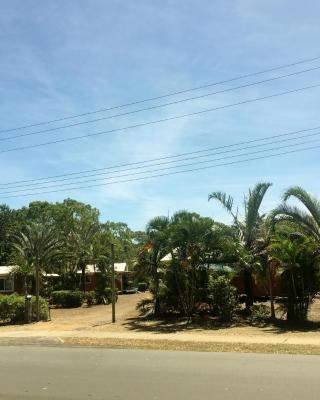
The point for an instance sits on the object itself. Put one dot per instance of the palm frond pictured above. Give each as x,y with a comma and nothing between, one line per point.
310,202
285,212
252,206
225,200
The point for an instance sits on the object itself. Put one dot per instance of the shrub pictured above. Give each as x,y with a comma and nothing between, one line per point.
105,296
222,296
260,314
168,300
145,307
67,298
90,298
142,286
12,309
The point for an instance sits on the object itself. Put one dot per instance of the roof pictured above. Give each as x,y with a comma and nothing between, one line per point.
92,268
6,269
167,257
120,267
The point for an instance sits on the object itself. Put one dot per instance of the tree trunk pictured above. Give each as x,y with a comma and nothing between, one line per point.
273,314
83,276
37,291
156,299
248,289
25,289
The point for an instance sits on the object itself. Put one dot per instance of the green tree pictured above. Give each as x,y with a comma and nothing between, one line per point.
247,229
299,266
38,244
309,220
265,268
9,226
82,246
192,240
154,249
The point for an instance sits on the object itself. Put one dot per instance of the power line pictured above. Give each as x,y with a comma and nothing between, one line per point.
154,159
158,159
161,169
55,129
304,61
159,120
32,186
169,173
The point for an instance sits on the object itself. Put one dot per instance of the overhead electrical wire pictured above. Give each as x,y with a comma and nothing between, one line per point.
168,173
26,147
35,186
160,169
131,164
157,106
283,66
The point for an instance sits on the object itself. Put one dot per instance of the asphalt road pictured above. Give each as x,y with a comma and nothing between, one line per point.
95,373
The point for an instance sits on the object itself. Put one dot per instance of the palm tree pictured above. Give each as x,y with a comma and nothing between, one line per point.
298,261
247,229
262,254
308,221
153,251
38,245
192,239
81,242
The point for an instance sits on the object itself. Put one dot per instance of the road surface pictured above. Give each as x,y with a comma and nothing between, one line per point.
96,373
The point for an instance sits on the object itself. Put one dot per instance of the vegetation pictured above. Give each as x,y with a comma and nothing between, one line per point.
223,298
68,298
191,264
12,309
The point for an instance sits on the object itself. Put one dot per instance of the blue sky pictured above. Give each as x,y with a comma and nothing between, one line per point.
62,58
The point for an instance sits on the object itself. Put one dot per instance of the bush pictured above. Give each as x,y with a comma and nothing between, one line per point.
68,298
142,286
12,309
90,298
105,296
222,296
260,314
168,300
145,307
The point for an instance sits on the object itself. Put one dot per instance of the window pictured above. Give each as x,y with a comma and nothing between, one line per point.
6,285
88,278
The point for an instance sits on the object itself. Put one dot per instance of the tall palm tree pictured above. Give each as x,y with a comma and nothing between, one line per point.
81,241
247,229
38,245
264,262
309,221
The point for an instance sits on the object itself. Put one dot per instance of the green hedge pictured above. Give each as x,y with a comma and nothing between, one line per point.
12,309
67,298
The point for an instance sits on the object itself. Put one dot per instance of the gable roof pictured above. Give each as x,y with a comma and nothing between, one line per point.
92,268
120,267
6,269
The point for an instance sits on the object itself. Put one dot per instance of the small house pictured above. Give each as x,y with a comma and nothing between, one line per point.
8,283
92,271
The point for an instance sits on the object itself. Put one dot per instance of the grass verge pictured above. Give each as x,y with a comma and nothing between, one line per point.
194,346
